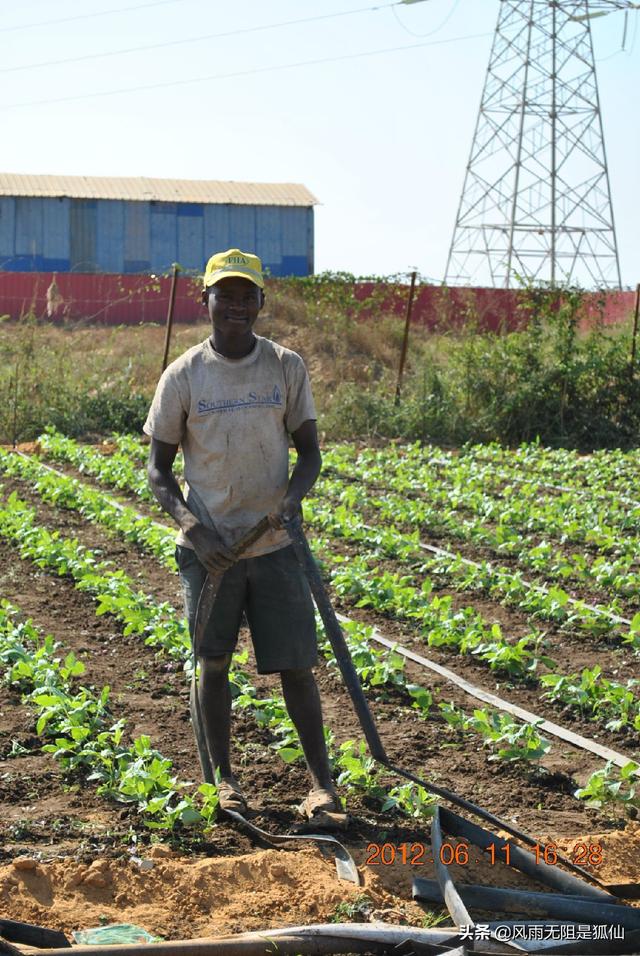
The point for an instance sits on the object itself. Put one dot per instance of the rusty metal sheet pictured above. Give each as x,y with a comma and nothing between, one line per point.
144,189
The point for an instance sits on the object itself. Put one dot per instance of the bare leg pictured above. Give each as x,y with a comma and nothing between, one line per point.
303,703
214,695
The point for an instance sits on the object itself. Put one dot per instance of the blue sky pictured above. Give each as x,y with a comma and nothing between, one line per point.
382,140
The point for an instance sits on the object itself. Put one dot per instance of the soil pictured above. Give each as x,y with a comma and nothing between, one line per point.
221,882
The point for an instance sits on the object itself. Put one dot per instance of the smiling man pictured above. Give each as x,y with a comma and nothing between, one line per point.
231,403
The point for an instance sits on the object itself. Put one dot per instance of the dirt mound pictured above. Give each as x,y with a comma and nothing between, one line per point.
176,897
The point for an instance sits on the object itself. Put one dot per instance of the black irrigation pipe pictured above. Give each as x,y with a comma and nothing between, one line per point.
556,905
581,904
576,740
350,677
315,940
597,896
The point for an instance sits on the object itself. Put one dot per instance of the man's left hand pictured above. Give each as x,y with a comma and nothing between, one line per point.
290,508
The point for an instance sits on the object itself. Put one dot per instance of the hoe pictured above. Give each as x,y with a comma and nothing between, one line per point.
573,898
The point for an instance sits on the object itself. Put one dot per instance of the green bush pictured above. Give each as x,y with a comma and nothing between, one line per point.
553,379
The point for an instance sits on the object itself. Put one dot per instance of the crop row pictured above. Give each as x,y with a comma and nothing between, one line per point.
518,509
602,470
464,629
84,736
483,488
572,521
64,491
606,695
376,668
99,508
116,469
418,469
610,573
616,573
158,625
508,739
609,474
551,604
67,492
440,624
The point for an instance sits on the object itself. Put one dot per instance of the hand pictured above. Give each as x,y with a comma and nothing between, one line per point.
212,552
290,507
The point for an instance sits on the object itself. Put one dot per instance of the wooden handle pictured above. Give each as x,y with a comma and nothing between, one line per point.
250,537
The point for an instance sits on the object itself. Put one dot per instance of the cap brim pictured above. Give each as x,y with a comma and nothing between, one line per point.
208,281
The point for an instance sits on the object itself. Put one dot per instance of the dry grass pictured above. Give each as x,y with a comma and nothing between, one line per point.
551,379
57,367
335,349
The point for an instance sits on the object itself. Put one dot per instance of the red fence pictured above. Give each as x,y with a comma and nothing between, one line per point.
132,299
104,299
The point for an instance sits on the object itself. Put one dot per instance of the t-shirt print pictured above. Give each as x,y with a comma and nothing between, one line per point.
248,400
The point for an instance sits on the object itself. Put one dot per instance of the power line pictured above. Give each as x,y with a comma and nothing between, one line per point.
240,73
141,6
209,36
87,16
431,32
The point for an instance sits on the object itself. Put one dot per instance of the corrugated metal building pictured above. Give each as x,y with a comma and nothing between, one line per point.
138,225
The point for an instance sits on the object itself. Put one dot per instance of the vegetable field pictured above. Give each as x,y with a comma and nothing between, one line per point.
514,578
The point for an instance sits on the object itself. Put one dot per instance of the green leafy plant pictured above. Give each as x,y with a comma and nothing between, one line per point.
612,787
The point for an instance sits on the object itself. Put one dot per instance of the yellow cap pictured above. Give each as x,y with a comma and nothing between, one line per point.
233,262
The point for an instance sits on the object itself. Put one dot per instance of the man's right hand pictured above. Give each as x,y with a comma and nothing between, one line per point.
212,552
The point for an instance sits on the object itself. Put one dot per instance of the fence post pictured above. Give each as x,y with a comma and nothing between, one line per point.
632,365
14,437
172,299
405,339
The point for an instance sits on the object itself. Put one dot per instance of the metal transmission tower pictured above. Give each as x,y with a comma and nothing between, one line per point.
536,200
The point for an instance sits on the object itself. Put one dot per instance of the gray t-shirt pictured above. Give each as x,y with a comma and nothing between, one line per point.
232,418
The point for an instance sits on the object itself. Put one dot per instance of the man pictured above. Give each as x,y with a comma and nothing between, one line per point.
231,402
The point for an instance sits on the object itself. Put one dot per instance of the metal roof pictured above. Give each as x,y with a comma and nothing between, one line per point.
139,188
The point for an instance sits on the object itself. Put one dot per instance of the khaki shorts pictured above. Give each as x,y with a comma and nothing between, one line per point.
273,593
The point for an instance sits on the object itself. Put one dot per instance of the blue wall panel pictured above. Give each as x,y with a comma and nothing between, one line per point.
7,231
55,230
83,219
164,241
294,231
310,240
190,236
242,228
216,231
269,237
29,230
297,241
20,264
109,241
190,209
118,236
293,266
137,232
